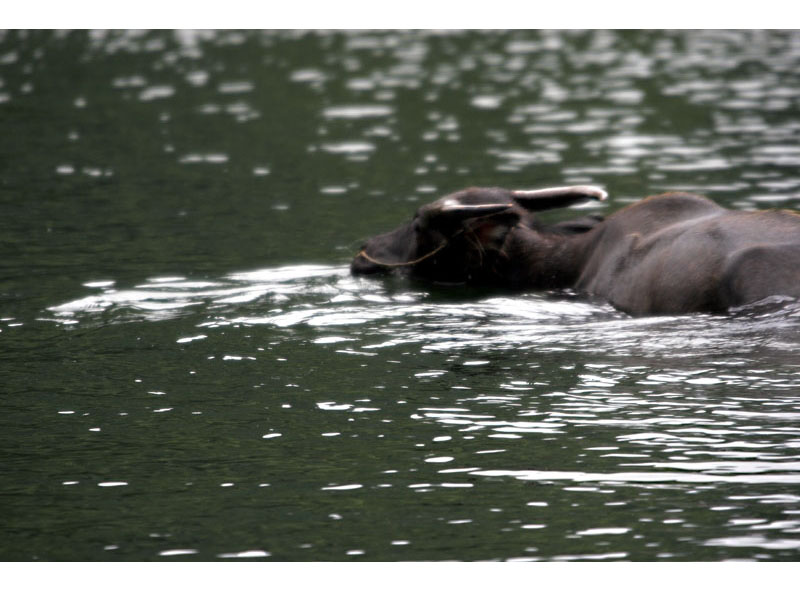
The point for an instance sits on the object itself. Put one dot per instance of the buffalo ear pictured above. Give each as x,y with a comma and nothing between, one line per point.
488,222
557,197
491,232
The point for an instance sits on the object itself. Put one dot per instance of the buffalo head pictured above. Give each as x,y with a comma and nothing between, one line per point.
465,236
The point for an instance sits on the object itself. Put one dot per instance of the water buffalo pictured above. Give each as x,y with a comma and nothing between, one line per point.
673,253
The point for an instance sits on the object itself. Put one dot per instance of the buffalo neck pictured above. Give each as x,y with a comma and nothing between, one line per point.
546,260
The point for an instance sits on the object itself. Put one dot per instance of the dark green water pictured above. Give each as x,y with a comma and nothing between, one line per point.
188,371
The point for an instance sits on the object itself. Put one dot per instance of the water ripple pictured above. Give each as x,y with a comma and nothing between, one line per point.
639,477
327,297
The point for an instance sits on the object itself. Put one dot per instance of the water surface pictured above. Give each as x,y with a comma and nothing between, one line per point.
190,372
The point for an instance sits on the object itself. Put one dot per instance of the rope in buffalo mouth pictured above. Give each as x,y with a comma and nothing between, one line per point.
404,264
416,261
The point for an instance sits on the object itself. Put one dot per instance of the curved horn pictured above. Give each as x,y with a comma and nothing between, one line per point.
557,197
452,207
451,213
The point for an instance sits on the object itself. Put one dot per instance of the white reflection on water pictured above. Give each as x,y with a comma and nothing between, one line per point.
157,299
377,314
178,552
245,554
665,400
638,477
357,111
757,541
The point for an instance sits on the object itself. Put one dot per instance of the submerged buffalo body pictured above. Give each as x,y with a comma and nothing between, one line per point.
668,254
